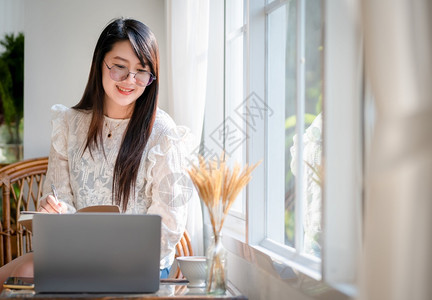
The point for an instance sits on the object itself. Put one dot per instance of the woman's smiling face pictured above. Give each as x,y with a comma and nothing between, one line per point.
120,96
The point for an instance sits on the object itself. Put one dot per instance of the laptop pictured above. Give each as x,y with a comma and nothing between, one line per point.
96,253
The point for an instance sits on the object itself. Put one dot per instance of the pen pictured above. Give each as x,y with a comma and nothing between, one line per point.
54,191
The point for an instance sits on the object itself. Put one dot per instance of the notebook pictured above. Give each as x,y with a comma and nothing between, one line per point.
26,216
96,253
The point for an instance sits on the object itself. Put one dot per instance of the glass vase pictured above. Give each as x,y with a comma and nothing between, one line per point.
216,267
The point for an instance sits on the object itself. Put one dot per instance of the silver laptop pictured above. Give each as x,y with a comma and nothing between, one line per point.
96,253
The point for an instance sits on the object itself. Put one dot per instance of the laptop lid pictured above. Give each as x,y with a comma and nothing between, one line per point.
96,252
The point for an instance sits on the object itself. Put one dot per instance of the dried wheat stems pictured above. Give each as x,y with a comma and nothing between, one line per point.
218,186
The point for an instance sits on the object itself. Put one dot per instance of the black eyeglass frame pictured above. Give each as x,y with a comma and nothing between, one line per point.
152,77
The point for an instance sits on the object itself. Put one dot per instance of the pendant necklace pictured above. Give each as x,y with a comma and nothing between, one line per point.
110,130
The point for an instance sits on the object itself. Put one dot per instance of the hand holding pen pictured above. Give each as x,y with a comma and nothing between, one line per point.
54,191
51,203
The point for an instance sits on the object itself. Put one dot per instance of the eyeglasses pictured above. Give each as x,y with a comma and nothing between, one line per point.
120,73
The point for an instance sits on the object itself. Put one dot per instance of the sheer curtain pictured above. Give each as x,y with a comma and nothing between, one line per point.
187,44
397,259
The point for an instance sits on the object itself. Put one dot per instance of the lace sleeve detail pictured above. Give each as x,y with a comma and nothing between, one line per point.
59,128
58,167
168,186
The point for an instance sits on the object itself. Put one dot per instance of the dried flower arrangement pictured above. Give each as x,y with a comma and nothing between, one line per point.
218,186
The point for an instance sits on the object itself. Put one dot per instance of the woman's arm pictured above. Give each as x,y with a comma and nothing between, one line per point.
58,166
168,189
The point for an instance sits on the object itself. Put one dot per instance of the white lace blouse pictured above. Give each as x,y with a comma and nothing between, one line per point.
83,181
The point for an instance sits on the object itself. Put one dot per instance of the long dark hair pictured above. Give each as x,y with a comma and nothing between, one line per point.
141,122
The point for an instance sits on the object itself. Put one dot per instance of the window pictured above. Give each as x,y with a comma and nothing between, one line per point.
294,113
283,59
294,62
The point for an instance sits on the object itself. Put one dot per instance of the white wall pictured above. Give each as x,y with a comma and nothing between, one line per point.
60,36
11,17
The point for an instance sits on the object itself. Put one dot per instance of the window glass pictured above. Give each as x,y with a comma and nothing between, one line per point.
290,87
312,139
278,99
294,91
234,125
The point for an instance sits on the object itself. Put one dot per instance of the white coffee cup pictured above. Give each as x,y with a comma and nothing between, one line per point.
194,268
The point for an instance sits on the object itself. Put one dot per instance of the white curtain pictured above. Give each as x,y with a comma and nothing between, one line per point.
187,44
397,260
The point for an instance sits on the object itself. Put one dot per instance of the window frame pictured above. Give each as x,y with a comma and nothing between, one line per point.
258,221
344,79
341,24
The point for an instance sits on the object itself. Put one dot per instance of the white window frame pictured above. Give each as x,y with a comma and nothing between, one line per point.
235,223
260,223
234,96
342,72
344,90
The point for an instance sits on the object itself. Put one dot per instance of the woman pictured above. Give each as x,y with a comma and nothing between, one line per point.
115,145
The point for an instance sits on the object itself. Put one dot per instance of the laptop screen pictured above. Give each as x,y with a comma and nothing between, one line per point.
96,252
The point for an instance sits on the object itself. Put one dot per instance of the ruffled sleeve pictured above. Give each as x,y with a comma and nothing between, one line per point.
169,186
58,167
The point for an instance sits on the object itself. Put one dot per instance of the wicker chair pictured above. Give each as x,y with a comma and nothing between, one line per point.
22,187
183,248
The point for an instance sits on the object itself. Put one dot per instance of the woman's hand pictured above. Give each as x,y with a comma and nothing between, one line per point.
51,205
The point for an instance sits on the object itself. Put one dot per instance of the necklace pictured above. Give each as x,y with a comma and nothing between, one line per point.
110,130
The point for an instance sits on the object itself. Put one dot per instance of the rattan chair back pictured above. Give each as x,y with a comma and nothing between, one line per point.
21,185
183,248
